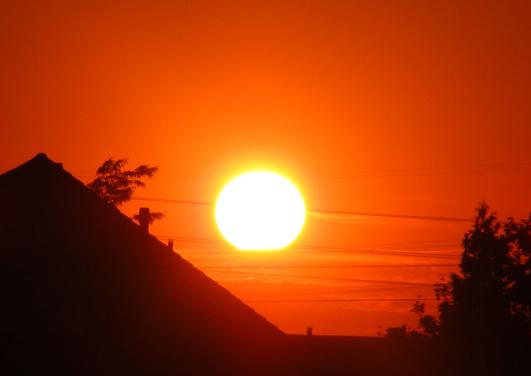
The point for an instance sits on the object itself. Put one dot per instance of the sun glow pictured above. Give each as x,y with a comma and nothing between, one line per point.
260,211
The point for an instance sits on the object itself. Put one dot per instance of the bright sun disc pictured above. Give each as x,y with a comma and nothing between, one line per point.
260,211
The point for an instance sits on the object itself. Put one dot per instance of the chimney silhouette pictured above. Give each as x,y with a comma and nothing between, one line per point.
170,244
143,219
309,331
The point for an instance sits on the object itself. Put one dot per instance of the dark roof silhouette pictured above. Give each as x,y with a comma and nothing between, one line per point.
83,288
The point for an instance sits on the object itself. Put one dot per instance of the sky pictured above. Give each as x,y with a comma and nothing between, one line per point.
378,107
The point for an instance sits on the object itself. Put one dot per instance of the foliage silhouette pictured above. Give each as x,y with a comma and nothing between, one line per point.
484,312
116,185
494,288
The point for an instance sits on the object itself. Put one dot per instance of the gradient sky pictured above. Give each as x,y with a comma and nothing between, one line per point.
398,107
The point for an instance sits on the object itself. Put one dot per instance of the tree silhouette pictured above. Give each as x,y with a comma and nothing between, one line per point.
485,310
116,185
493,290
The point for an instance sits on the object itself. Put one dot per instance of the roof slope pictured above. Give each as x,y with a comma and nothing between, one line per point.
79,277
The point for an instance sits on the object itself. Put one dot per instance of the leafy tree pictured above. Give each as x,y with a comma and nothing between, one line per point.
492,294
116,185
484,312
428,323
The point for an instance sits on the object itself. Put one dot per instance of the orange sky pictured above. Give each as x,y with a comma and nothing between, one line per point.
409,107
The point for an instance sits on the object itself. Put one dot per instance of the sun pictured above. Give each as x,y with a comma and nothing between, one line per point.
259,211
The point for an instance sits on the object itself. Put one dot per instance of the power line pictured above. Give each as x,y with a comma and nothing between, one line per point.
322,211
369,252
387,252
349,251
173,201
373,288
346,213
337,300
334,290
349,266
440,168
377,252
421,243
329,278
312,249
463,169
405,252
426,172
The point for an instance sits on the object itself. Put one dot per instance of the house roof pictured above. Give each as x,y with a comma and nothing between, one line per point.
74,267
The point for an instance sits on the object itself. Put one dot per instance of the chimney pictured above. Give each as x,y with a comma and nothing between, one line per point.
170,244
309,331
143,219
